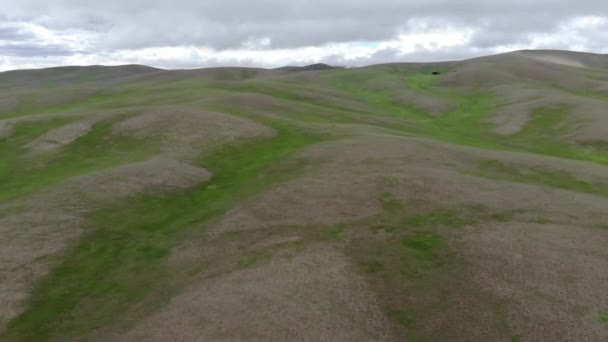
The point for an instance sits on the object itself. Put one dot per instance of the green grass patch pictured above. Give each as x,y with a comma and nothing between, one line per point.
121,261
604,317
11,148
405,317
441,217
547,133
495,169
23,172
421,252
390,204
545,124
424,243
422,82
335,232
372,266
409,271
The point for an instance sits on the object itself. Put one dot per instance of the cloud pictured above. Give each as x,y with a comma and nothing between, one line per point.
33,50
13,33
193,33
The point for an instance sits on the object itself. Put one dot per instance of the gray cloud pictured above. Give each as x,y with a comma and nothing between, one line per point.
230,23
391,55
14,34
32,50
114,25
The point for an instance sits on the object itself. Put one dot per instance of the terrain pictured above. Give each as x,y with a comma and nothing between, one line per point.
454,201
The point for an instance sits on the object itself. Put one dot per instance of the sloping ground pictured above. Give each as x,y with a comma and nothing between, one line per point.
462,201
312,67
316,297
70,75
544,275
188,132
39,228
55,217
55,138
367,183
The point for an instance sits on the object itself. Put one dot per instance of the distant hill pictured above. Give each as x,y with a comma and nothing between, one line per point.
71,75
312,67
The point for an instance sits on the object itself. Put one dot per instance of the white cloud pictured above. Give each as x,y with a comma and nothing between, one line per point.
272,33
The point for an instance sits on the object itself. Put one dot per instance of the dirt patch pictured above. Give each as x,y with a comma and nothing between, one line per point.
186,132
555,59
313,295
423,175
549,278
330,101
124,181
592,120
476,76
58,137
512,118
585,115
343,185
36,230
6,129
29,241
322,198
337,191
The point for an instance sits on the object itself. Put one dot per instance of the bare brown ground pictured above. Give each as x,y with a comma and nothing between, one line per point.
518,107
312,295
476,76
36,230
263,103
187,132
344,186
585,115
549,278
58,137
524,68
425,175
325,197
556,59
6,129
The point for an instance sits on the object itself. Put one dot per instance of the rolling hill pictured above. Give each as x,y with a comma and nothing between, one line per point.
462,200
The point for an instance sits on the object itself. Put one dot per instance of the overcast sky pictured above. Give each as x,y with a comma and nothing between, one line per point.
271,33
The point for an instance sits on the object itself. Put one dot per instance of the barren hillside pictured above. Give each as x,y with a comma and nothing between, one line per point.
456,201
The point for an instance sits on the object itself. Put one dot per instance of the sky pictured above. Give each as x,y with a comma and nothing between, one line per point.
180,34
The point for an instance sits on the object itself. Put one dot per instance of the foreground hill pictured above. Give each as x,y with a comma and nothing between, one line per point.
443,201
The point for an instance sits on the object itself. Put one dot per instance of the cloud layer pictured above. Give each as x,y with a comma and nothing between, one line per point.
270,33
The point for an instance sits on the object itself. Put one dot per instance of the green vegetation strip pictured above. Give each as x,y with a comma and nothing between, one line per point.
121,261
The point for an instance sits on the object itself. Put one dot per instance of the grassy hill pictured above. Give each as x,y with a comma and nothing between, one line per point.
460,200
